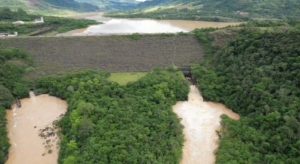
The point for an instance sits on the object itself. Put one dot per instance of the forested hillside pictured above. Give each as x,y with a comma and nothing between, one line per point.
13,64
109,123
73,5
51,24
257,76
218,10
112,5
57,7
48,6
14,4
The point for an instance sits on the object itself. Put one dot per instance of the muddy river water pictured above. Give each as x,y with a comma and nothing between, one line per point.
116,26
34,139
201,121
31,132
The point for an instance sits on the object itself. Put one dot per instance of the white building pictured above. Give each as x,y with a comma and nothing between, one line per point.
2,35
39,21
36,21
18,22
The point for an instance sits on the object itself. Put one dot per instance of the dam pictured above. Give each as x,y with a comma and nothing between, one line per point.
131,53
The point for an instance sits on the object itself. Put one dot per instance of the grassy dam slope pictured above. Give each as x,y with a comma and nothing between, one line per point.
111,53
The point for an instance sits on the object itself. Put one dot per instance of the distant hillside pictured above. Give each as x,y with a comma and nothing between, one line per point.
72,4
14,4
48,5
51,26
111,5
217,9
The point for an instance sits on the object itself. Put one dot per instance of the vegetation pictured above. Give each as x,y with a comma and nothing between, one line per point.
171,13
109,123
13,64
13,4
216,10
52,24
257,75
126,77
48,6
73,5
106,122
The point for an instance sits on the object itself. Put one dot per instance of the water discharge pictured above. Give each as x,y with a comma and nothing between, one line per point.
31,132
201,121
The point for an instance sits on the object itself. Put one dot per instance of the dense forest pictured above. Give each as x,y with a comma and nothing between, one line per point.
110,123
13,64
52,24
256,75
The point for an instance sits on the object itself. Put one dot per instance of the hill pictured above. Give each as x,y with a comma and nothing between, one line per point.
72,5
52,25
63,6
112,5
256,75
48,6
218,10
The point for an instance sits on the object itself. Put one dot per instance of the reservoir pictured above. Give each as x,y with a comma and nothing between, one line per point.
117,26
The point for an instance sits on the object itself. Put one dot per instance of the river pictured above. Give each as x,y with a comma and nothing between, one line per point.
31,132
201,121
34,140
116,26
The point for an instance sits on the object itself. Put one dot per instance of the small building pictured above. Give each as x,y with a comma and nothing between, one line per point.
242,13
35,21
39,20
19,22
3,34
6,34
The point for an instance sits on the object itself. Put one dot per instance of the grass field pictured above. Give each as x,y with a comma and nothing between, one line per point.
124,78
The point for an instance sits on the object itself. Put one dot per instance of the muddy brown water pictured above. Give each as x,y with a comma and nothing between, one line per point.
31,132
117,26
201,121
34,139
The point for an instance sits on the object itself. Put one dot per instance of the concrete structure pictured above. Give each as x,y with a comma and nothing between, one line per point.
110,53
19,22
36,21
39,21
2,35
